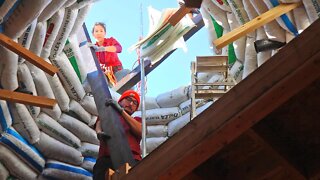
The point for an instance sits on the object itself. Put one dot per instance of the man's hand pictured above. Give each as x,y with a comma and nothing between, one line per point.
96,48
114,104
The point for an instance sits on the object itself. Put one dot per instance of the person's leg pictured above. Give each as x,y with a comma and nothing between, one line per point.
101,166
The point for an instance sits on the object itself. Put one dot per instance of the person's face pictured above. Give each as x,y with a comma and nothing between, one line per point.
99,33
129,104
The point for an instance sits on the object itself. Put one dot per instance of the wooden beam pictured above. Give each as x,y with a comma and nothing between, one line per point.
117,142
254,24
176,17
27,99
28,55
293,171
293,68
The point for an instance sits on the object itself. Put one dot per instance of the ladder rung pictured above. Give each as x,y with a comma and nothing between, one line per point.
209,93
212,68
212,60
215,84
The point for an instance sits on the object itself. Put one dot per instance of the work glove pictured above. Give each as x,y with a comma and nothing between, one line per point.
96,48
114,104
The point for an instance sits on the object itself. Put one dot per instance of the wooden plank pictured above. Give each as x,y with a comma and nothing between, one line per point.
293,171
211,68
254,24
118,145
270,85
212,60
134,78
27,99
27,55
176,17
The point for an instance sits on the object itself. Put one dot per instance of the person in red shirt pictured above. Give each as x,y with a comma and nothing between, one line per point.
127,104
106,48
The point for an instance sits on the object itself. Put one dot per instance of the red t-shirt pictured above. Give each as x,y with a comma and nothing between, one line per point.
110,58
133,140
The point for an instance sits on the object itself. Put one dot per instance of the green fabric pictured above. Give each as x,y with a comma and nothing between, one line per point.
69,52
219,32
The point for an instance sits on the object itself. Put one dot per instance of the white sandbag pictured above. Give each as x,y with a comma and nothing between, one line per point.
273,30
69,77
57,131
24,123
89,105
313,9
28,153
175,125
252,13
250,62
51,9
80,18
301,18
218,14
263,56
78,128
4,173
290,1
208,24
54,149
38,38
5,9
5,116
64,32
173,98
222,4
90,150
59,92
160,116
26,38
55,112
72,51
238,10
88,163
25,77
52,31
186,106
150,103
59,170
82,114
26,12
8,75
69,3
240,44
157,131
289,37
154,142
285,20
15,166
236,71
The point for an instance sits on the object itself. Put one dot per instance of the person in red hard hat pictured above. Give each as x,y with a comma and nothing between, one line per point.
126,106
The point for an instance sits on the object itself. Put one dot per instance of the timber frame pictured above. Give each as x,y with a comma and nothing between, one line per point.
288,76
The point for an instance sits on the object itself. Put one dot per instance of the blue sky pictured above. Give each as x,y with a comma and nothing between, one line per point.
122,18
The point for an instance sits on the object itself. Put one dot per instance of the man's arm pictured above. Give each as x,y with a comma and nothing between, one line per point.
135,125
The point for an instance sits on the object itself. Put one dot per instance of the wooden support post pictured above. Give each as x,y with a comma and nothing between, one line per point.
254,24
28,55
119,173
28,99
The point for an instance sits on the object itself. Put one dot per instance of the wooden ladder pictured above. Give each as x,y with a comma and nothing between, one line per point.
209,64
